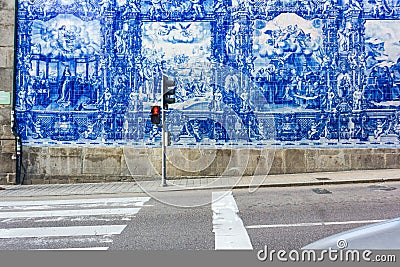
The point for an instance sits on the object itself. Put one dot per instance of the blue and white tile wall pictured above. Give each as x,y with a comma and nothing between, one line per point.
248,72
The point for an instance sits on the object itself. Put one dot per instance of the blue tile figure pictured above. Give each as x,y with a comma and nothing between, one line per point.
288,72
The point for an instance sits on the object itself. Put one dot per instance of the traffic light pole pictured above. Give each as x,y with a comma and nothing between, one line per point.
167,98
163,145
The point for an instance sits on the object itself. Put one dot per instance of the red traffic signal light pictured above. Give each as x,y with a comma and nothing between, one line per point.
155,110
155,114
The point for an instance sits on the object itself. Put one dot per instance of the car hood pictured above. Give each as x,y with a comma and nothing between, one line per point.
382,235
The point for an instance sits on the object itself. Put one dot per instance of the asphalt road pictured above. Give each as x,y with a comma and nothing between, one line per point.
283,209
281,218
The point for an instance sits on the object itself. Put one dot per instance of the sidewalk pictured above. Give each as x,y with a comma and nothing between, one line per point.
303,179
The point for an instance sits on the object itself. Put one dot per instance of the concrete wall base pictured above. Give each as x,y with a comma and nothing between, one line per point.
88,164
7,161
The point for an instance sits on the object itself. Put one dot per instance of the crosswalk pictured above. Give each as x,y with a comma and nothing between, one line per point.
65,224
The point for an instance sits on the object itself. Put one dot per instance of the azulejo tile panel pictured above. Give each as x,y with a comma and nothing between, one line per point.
251,72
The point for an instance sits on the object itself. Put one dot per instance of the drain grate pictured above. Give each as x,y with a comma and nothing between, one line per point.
321,191
322,179
381,187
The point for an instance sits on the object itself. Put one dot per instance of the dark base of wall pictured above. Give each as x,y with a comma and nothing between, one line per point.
45,165
60,179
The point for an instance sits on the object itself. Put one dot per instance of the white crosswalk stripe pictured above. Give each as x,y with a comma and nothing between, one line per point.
68,213
65,224
230,233
62,231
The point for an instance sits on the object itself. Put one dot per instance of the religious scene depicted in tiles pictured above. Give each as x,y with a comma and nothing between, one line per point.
248,72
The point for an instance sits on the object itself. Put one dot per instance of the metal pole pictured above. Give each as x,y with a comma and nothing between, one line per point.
164,158
14,122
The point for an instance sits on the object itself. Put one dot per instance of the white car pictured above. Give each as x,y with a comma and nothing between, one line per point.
382,235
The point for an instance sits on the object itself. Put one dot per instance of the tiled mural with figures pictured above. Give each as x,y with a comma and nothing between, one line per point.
248,72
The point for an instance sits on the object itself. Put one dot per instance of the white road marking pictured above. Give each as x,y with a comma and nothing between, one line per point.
74,201
96,230
68,213
229,230
311,224
92,248
92,209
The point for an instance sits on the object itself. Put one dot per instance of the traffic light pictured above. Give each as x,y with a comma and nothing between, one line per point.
167,92
155,114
